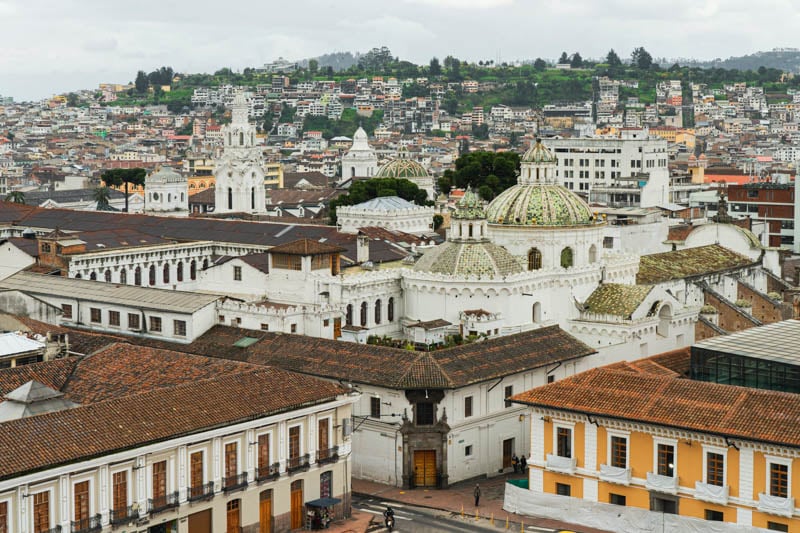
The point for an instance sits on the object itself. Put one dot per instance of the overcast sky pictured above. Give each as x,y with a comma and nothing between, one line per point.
50,47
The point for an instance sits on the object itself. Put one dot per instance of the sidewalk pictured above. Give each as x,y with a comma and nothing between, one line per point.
358,522
459,497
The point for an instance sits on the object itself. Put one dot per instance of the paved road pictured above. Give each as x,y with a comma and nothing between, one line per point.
422,520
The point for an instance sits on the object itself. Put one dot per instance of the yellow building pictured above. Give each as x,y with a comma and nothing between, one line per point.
638,435
682,136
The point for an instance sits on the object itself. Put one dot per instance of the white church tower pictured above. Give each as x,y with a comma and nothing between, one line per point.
360,161
239,173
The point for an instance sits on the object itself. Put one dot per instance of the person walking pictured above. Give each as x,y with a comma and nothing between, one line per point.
515,463
523,464
477,494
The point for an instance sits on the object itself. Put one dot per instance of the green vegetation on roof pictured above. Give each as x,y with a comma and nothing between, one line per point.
658,268
618,300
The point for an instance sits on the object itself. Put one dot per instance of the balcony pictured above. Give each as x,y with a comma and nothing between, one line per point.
269,472
124,515
331,455
775,505
659,483
298,464
200,492
711,493
159,504
232,483
557,463
87,525
615,474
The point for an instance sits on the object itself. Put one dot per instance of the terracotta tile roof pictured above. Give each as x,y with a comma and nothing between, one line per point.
51,373
53,439
305,247
658,268
615,299
679,233
80,341
258,261
742,412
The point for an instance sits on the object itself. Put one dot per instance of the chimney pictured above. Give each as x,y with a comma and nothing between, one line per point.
362,249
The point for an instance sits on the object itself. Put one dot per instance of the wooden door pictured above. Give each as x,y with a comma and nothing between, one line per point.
230,460
264,455
196,471
120,480
234,518
297,505
425,468
337,328
322,434
200,522
81,491
160,481
3,517
508,451
41,512
265,512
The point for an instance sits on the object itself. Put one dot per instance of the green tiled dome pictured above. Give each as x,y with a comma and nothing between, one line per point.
539,205
469,259
402,168
469,207
538,153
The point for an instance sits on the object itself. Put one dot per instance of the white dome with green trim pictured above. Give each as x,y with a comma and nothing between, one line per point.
402,168
539,205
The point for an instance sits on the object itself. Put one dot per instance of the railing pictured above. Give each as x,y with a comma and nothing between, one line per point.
661,483
162,503
124,515
56,529
561,464
775,505
331,455
200,492
711,493
272,471
87,525
615,474
236,482
294,464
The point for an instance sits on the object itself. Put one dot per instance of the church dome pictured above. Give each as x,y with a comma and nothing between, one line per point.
538,153
543,204
458,258
402,169
164,175
469,207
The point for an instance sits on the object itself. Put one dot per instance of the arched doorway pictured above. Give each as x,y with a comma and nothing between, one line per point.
664,319
536,313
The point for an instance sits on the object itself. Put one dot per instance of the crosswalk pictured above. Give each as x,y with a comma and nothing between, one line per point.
379,507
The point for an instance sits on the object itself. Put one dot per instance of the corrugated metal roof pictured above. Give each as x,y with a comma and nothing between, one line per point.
130,295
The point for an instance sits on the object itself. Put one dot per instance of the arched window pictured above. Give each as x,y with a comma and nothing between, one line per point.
152,275
352,172
566,257
193,270
179,271
536,314
592,254
470,230
252,197
166,272
363,314
390,310
107,276
78,276
230,198
378,311
664,319
123,276
534,259
93,276
205,264
348,317
137,276
241,138
230,141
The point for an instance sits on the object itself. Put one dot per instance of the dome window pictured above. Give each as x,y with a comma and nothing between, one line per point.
566,257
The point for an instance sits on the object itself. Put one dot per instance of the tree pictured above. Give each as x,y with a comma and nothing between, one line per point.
513,138
123,176
434,68
141,83
313,66
576,61
641,58
72,100
495,170
613,59
564,58
438,220
486,193
540,64
16,197
481,132
102,195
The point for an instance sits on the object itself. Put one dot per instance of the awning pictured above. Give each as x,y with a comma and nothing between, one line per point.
323,502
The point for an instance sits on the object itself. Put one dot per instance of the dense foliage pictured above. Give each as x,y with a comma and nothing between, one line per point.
490,173
361,191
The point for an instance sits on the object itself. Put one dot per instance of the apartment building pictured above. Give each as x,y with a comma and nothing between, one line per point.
770,202
156,441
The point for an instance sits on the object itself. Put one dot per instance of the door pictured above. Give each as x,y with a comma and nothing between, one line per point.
322,436
297,505
508,451
425,468
82,503
200,522
196,474
265,512
337,328
234,519
120,480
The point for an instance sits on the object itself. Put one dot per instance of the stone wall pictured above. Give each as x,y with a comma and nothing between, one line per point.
730,318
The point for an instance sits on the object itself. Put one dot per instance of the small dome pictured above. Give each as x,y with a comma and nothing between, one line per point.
539,205
469,259
165,175
469,207
538,153
402,168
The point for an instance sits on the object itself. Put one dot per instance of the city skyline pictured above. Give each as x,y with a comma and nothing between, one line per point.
80,44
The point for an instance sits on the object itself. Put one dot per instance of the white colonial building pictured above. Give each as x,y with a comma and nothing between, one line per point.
167,193
390,212
360,161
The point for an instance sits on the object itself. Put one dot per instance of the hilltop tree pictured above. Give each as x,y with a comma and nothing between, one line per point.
564,58
123,176
576,61
434,68
613,59
141,83
540,64
313,66
641,58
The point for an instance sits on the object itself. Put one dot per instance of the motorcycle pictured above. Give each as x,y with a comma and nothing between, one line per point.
388,519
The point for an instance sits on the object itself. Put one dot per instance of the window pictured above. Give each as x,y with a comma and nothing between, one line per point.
95,315
3,517
715,469
566,257
155,323
619,452
137,276
375,407
666,460
107,276
616,499
534,259
113,318
664,504
508,393
231,462
237,273
294,442
264,327
166,273
123,276
179,327
564,442
292,328
179,271
424,414
152,275
66,310
363,314
779,480
196,474
467,406
133,321
715,516
377,311
777,526
551,378
608,242
192,270
41,512
160,480
390,310
562,489
348,317
323,434
80,494
264,456
468,450
326,484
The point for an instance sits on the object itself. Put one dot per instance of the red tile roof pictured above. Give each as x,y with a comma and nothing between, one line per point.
305,247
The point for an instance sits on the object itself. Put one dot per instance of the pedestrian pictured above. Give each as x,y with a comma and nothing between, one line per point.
523,464
477,493
515,463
